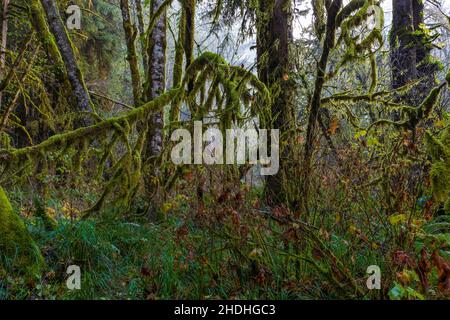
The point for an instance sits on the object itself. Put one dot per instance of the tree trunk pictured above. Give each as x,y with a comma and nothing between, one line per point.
37,19
274,38
130,36
141,26
410,53
4,42
178,65
156,78
189,9
64,44
15,241
329,43
403,55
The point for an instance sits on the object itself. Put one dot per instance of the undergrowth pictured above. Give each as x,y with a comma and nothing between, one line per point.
229,247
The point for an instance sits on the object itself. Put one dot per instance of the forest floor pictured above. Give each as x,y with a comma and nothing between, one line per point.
227,248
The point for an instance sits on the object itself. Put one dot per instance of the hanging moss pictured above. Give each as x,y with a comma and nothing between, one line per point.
229,85
18,250
354,50
439,148
234,81
424,109
75,136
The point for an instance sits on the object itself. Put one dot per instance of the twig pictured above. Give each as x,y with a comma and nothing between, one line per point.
111,99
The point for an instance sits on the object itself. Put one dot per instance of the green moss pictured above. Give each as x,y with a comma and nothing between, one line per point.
38,21
18,250
429,102
189,8
49,222
440,170
440,178
319,18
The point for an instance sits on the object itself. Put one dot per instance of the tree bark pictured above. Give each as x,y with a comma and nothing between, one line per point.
274,37
64,44
4,42
178,65
403,55
141,26
37,19
130,36
410,53
189,9
156,78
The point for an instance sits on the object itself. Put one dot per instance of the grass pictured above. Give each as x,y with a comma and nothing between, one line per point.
222,253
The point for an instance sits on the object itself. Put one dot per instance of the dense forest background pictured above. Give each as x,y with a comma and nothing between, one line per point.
359,90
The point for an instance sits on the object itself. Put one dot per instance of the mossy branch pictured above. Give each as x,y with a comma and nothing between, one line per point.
89,132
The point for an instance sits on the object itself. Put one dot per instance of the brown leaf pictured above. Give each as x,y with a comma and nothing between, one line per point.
334,125
423,268
401,258
443,268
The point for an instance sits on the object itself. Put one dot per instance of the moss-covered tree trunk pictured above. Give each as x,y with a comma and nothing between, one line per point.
64,44
38,21
410,61
156,77
17,249
189,12
141,26
178,64
410,52
155,86
130,36
403,53
274,37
